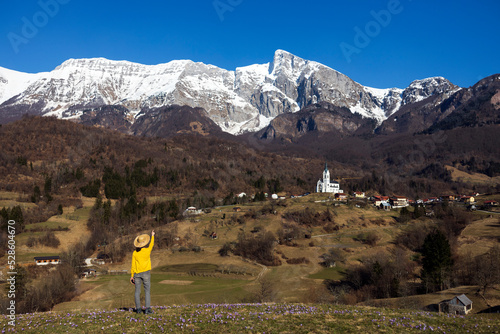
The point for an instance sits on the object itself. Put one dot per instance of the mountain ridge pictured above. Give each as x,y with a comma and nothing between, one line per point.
243,100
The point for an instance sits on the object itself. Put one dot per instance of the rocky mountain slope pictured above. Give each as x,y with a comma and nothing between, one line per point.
467,107
238,101
321,117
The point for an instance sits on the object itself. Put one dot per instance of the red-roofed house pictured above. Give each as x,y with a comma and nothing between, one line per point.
377,200
398,201
467,199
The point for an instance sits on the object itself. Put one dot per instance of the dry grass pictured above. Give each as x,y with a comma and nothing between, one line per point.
431,299
294,280
480,236
474,178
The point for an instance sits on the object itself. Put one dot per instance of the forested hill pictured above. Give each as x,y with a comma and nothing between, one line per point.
73,156
73,159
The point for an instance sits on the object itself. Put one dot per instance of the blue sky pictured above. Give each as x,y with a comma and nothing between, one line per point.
377,43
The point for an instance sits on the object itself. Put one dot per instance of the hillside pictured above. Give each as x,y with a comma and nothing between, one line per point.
73,188
35,147
188,267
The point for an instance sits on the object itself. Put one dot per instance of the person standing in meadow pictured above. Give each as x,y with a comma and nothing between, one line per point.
141,270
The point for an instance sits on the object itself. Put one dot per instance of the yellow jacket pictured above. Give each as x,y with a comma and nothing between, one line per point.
141,261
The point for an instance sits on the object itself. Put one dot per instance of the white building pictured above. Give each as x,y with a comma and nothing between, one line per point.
325,186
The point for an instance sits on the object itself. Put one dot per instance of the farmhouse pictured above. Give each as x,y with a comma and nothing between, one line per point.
490,203
325,186
46,260
385,206
398,201
377,200
88,273
467,199
340,197
192,211
457,305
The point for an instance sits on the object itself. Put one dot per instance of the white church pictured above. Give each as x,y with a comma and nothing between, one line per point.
325,186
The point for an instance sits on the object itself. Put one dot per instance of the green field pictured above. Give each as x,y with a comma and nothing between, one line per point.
115,291
334,273
191,267
50,225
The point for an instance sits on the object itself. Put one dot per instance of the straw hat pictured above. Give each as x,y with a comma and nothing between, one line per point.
141,240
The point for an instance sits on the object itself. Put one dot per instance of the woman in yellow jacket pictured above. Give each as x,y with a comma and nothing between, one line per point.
141,270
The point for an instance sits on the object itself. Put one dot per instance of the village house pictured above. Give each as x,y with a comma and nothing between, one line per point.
490,203
449,198
359,194
398,201
192,211
457,305
377,200
46,260
385,206
340,197
88,273
467,199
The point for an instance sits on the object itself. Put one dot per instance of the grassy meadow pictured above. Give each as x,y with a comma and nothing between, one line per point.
252,318
206,293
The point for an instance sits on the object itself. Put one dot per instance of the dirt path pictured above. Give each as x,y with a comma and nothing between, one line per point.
263,271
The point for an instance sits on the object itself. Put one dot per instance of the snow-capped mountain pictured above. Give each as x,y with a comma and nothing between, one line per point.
243,100
13,83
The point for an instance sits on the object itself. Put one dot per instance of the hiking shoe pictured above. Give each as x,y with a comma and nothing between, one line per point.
148,311
139,310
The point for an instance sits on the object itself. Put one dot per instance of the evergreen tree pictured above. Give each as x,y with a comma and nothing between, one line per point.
404,215
260,183
259,197
16,214
419,211
173,209
107,211
36,194
91,189
436,262
47,188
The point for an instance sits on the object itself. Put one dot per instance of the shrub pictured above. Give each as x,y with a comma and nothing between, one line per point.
370,238
225,249
31,242
297,260
412,238
49,240
258,247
